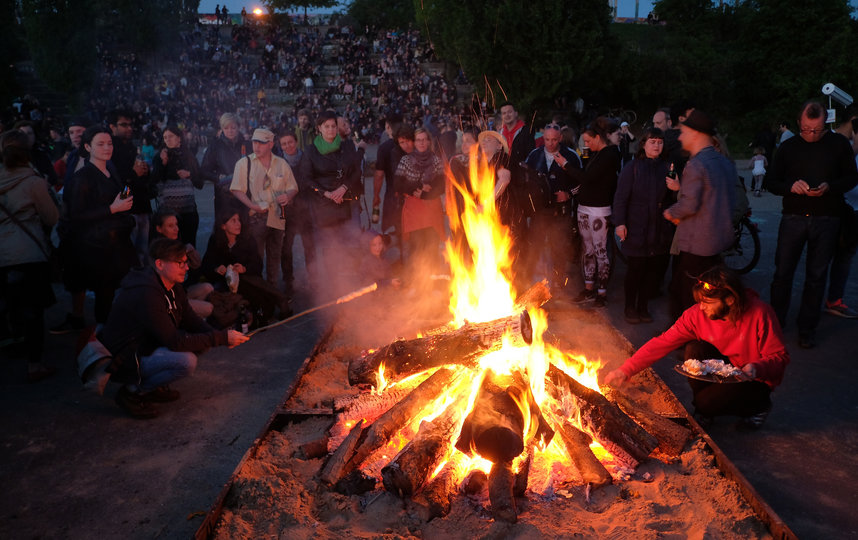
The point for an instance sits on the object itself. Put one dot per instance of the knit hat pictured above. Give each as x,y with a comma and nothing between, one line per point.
700,121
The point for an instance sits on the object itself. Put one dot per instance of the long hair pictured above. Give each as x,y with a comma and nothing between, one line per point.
721,282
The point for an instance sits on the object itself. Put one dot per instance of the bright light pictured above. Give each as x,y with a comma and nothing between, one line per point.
257,12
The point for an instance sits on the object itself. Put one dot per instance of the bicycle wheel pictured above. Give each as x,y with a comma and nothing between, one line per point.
744,254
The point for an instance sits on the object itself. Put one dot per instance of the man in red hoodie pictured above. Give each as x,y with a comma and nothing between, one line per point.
730,323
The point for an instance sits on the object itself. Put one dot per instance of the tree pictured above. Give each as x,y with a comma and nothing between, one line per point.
388,15
786,51
528,52
61,38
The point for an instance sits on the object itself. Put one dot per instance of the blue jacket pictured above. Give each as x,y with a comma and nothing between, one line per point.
705,205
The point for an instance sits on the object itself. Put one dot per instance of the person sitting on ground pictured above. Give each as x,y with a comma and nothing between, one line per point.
374,268
229,247
167,226
730,323
153,334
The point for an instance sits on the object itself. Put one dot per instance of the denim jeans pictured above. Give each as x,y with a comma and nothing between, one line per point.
164,366
819,233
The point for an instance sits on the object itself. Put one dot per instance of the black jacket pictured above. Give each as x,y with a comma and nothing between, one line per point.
219,253
543,182
318,173
146,316
220,159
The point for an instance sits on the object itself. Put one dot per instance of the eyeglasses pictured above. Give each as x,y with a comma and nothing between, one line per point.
183,262
124,124
813,131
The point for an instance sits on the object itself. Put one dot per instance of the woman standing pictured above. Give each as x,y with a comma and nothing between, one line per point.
176,175
598,182
100,224
27,210
220,159
420,179
641,198
331,172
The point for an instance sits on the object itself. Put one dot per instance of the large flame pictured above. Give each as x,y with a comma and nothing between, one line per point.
481,287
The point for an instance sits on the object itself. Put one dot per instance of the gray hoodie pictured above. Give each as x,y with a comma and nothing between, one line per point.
27,196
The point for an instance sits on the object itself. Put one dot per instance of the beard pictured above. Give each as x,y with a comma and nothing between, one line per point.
721,313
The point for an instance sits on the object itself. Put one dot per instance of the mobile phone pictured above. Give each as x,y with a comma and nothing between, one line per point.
817,188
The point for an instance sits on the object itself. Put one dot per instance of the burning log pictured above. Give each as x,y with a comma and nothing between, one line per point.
418,459
577,444
366,406
537,295
434,500
336,464
614,430
495,427
520,485
474,482
461,346
381,431
672,437
501,483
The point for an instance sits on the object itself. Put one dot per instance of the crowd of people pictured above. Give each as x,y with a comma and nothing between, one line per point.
128,178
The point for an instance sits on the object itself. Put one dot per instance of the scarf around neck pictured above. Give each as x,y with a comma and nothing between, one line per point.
423,160
324,147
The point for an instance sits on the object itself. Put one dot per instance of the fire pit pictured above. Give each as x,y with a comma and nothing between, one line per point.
487,421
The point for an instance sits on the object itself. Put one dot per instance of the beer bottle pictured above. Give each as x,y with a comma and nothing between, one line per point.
241,324
671,172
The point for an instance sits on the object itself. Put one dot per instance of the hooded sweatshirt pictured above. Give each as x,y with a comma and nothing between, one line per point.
27,196
145,316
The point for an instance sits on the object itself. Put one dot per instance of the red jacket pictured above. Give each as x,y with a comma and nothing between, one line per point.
756,338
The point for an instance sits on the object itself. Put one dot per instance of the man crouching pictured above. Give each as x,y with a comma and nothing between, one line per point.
154,335
729,323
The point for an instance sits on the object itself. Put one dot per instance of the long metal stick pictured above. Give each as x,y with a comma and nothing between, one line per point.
341,300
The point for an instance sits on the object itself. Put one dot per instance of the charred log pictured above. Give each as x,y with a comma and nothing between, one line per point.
494,429
336,464
383,429
365,406
475,482
418,459
577,444
461,346
434,500
314,449
520,485
501,483
537,295
355,483
611,427
672,437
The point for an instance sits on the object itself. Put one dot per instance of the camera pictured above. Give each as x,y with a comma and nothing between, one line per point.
837,94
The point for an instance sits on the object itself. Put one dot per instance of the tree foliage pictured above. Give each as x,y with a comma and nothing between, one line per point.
61,39
393,14
527,52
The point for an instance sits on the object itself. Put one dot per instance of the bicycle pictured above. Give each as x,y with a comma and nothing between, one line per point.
744,254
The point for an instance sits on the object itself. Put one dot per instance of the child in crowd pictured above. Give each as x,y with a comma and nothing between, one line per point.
374,267
758,166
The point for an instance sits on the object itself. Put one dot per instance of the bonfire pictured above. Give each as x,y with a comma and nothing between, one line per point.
485,399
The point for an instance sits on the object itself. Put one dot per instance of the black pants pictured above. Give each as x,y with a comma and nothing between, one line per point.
643,280
26,290
685,272
725,399
189,222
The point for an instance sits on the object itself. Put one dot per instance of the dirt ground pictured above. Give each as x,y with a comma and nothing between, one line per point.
73,466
